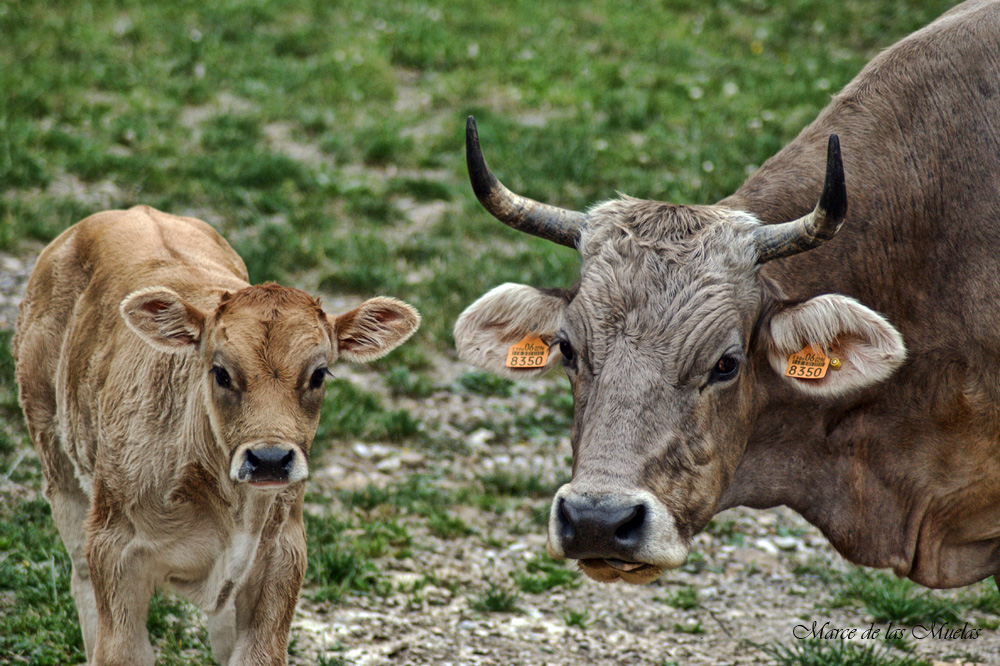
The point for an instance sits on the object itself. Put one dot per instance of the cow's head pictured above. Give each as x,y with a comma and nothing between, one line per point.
667,341
263,355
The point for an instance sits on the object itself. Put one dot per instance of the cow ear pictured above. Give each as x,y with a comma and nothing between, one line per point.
162,318
374,328
868,347
485,332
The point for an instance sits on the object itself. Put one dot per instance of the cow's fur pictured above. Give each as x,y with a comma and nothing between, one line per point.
898,463
129,317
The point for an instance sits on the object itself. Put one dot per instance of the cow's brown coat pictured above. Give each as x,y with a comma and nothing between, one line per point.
901,473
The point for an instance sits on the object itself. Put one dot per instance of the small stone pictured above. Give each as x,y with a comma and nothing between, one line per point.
787,542
766,546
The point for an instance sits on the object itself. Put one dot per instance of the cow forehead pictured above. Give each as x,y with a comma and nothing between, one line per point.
271,324
649,267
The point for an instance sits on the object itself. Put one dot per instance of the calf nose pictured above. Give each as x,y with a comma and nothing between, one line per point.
272,464
604,527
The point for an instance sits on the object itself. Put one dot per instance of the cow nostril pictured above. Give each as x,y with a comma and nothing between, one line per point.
566,519
632,525
252,460
286,462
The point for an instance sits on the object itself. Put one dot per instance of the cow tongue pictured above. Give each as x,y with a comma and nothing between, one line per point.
622,565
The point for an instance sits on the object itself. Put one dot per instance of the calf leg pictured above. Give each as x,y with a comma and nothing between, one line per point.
69,512
122,584
266,602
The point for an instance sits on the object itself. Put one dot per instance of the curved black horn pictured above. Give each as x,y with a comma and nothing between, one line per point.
555,224
783,240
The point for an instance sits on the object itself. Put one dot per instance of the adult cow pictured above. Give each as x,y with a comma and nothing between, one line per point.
678,335
173,406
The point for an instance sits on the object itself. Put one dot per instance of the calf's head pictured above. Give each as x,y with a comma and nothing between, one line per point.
667,340
261,359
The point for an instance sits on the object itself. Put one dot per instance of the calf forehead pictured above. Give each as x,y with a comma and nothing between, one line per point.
273,324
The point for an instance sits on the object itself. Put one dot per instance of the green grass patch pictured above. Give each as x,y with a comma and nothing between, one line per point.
543,574
341,555
496,599
350,412
693,628
515,484
685,598
485,383
448,526
575,618
836,653
888,598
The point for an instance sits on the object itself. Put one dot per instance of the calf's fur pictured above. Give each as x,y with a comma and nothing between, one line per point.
146,363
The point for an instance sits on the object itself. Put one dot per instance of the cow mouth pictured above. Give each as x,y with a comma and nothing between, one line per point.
268,484
608,570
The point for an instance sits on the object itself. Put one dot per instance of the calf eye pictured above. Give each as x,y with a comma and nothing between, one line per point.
566,349
222,377
318,378
726,368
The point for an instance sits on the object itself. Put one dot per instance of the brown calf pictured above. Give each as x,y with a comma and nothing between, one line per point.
173,406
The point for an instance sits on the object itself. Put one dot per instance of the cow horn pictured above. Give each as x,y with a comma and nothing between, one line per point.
555,224
783,240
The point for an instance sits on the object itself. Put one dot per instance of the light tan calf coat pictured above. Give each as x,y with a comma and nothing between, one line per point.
173,406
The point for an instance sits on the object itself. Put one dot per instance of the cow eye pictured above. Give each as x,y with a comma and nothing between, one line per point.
318,378
566,349
222,377
726,368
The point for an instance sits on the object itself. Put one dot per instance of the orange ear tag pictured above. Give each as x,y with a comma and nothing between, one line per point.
808,364
530,352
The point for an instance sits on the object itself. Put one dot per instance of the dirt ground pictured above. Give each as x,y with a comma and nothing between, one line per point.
747,591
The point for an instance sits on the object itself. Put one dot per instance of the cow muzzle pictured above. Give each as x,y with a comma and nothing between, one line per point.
629,536
268,465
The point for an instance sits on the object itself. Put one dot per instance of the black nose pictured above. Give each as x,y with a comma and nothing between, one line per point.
271,464
601,527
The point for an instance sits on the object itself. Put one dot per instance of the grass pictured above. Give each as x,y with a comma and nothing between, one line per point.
543,574
496,599
514,484
308,152
484,383
575,618
890,599
316,137
685,598
836,653
341,555
693,628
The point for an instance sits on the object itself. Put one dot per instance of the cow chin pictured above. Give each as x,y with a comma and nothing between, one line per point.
603,572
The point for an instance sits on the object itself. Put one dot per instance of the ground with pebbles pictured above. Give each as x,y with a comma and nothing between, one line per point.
746,589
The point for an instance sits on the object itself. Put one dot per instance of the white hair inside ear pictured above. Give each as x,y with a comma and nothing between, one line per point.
869,349
502,317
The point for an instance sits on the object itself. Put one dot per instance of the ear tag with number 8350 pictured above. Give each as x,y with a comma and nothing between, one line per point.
530,352
808,364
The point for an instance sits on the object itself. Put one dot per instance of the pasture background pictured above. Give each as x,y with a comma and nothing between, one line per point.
325,141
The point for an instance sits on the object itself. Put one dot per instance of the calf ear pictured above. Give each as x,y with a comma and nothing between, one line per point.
502,317
374,328
869,347
162,318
